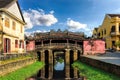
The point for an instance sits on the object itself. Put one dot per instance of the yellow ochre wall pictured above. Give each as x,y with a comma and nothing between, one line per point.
13,34
105,31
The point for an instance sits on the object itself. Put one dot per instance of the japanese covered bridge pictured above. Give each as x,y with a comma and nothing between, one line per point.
69,43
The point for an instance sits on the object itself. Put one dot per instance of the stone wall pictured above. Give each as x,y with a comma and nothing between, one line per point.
7,68
111,68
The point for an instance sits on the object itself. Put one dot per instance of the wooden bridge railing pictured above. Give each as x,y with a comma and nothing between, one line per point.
58,44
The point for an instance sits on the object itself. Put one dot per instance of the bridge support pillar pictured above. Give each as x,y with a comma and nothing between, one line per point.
43,73
75,55
50,71
67,71
67,56
75,73
50,57
42,56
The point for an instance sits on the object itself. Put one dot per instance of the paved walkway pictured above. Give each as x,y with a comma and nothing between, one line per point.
109,57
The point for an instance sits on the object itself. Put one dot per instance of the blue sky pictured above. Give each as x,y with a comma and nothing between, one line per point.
74,15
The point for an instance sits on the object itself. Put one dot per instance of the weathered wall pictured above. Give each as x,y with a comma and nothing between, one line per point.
92,47
7,68
111,68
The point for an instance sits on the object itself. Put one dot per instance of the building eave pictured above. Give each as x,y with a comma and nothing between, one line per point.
11,15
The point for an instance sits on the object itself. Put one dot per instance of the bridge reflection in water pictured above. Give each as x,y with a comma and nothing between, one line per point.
59,70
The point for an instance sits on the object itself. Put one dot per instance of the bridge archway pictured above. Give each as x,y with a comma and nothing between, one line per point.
71,56
46,53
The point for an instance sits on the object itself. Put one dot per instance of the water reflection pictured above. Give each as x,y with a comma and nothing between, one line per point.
58,71
59,64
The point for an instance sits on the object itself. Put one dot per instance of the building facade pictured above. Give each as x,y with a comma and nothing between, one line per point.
109,30
11,27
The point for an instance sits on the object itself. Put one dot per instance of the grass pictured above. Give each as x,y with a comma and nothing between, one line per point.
92,73
23,73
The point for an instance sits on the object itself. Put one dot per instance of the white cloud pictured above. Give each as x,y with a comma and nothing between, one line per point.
28,33
37,31
75,25
52,12
40,31
38,18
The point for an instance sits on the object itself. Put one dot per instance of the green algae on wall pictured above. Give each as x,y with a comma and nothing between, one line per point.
24,72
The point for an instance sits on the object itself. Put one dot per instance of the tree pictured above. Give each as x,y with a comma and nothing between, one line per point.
117,44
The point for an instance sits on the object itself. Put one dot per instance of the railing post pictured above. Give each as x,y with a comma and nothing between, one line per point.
50,42
75,43
42,43
67,43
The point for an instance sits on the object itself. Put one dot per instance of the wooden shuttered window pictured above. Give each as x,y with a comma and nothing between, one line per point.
7,22
23,44
16,43
7,45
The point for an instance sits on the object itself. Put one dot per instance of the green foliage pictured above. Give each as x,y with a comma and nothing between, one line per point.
23,73
60,60
92,73
117,43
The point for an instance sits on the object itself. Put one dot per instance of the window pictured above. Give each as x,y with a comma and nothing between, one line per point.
113,43
99,34
13,25
21,29
113,29
104,31
7,45
21,44
7,22
16,43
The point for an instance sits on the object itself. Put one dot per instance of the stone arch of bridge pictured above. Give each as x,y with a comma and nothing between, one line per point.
47,55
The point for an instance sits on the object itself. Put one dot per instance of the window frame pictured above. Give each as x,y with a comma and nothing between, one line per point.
7,22
13,25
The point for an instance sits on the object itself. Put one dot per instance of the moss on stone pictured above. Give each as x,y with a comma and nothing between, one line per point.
23,73
92,73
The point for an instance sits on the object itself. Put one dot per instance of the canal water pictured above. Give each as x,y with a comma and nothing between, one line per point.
58,71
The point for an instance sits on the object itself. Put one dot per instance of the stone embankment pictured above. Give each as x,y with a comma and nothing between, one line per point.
109,67
12,66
